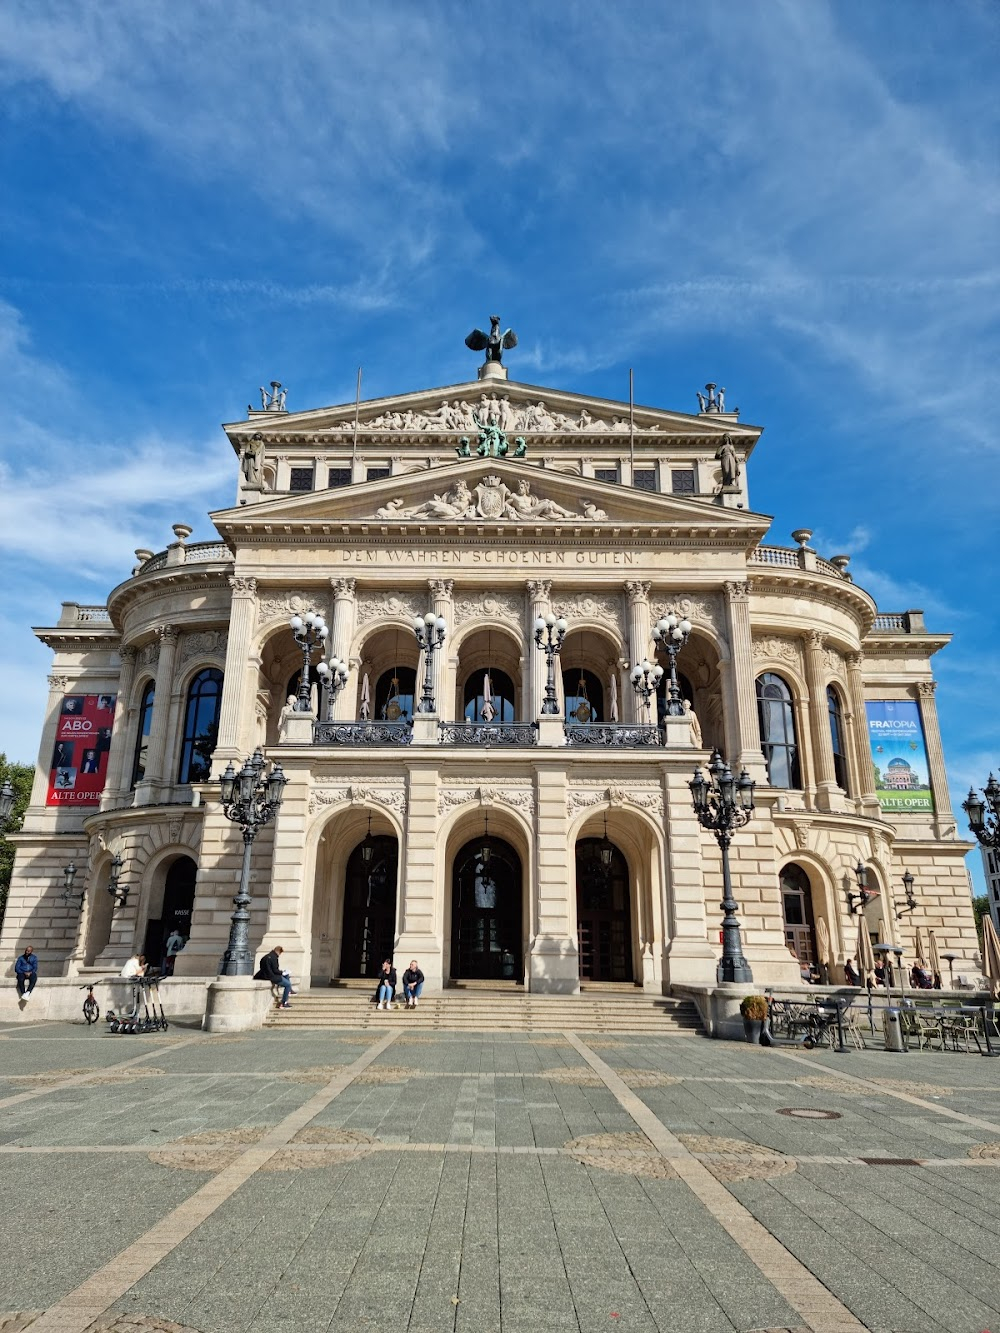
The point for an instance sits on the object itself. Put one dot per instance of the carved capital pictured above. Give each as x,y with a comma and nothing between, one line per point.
738,592
343,587
127,655
58,683
815,640
539,589
243,587
166,634
637,590
926,688
854,661
441,587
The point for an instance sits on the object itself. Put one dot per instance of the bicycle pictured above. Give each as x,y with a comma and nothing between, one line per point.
91,1009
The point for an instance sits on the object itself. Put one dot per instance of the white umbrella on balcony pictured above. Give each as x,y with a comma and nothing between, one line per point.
366,702
614,696
489,712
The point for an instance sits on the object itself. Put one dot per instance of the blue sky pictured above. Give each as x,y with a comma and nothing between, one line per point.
794,198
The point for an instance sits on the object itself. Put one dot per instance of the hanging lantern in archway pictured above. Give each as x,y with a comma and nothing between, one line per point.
368,846
606,849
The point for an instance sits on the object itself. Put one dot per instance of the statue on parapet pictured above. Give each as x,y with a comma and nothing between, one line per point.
715,400
275,400
494,343
729,463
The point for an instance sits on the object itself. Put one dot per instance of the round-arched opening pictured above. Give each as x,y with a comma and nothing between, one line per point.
583,692
369,906
603,911
395,696
174,921
798,918
486,938
489,697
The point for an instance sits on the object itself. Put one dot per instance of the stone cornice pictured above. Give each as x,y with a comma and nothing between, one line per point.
204,578
821,588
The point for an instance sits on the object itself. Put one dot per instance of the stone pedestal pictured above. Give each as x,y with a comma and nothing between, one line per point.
236,1004
297,729
676,733
551,730
425,729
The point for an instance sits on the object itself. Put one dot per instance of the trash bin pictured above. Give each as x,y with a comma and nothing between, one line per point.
893,1030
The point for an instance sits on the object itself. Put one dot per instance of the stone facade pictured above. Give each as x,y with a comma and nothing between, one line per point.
597,865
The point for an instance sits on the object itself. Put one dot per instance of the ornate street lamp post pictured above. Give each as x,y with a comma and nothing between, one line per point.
430,631
549,635
251,799
671,634
332,678
911,900
310,632
984,816
723,804
68,896
645,678
120,894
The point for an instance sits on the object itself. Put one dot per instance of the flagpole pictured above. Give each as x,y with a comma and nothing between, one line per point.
631,423
357,405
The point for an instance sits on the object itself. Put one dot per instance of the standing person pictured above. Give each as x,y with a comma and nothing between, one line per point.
175,943
26,971
851,974
413,984
386,990
270,970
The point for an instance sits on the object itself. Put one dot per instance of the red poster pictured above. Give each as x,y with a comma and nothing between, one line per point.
83,740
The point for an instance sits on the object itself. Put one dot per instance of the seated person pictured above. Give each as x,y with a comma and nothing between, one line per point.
851,974
135,967
270,970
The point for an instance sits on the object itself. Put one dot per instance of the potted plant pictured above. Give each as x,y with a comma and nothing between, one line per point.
753,1009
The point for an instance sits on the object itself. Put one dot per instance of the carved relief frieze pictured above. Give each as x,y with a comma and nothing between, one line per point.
492,500
702,609
518,798
459,415
649,799
205,643
833,662
393,798
378,606
284,605
148,656
489,606
584,606
776,649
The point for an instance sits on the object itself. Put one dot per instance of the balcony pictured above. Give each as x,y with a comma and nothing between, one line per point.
362,733
487,733
613,735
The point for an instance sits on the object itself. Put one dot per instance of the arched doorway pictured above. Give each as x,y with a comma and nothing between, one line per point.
603,912
175,914
369,906
797,913
486,940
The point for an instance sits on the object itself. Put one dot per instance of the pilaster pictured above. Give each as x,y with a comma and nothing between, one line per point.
819,724
154,779
117,755
539,604
240,678
944,819
859,735
342,636
289,915
639,631
442,662
554,962
741,698
422,871
687,954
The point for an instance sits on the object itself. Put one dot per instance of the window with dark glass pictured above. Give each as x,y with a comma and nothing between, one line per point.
338,476
201,726
682,480
489,696
777,731
837,737
142,735
394,693
797,913
644,478
376,473
584,695
300,479
605,474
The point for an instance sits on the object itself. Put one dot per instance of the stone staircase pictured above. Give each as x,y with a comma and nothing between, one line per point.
492,1008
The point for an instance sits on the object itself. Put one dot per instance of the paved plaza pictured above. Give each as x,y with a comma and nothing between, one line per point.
327,1182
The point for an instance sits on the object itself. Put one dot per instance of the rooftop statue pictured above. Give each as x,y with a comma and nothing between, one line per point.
494,343
727,456
275,400
714,402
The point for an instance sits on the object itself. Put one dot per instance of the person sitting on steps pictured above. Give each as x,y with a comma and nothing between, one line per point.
270,970
385,991
413,984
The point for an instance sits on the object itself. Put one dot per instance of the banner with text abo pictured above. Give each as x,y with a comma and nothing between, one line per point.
80,759
899,753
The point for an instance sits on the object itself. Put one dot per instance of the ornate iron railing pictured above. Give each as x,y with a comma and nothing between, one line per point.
362,733
487,733
615,735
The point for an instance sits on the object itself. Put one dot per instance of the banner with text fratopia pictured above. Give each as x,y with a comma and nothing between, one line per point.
899,754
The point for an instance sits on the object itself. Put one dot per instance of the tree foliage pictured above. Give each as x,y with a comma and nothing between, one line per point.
981,907
21,777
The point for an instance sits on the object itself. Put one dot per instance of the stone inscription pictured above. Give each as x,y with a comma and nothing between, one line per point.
483,556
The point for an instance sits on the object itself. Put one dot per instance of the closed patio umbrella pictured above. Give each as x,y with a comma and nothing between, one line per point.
935,957
866,955
823,950
614,696
366,702
991,953
489,712
919,947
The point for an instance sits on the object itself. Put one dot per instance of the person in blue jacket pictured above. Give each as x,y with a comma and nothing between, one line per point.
26,971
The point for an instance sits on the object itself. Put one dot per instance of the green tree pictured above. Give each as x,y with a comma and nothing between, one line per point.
21,777
981,907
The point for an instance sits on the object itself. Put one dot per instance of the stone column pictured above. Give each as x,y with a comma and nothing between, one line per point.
944,819
819,723
341,637
424,877
155,777
239,685
639,645
119,731
859,735
539,592
554,961
740,697
46,746
445,666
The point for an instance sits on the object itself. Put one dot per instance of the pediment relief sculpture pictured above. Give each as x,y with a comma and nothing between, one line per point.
491,500
512,418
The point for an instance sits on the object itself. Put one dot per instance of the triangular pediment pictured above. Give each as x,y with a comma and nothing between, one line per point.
503,495
527,410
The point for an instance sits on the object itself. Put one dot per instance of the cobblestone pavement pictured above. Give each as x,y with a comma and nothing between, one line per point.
327,1182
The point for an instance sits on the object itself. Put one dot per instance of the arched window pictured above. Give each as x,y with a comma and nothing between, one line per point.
394,695
797,913
837,737
777,731
584,696
500,701
142,734
201,725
